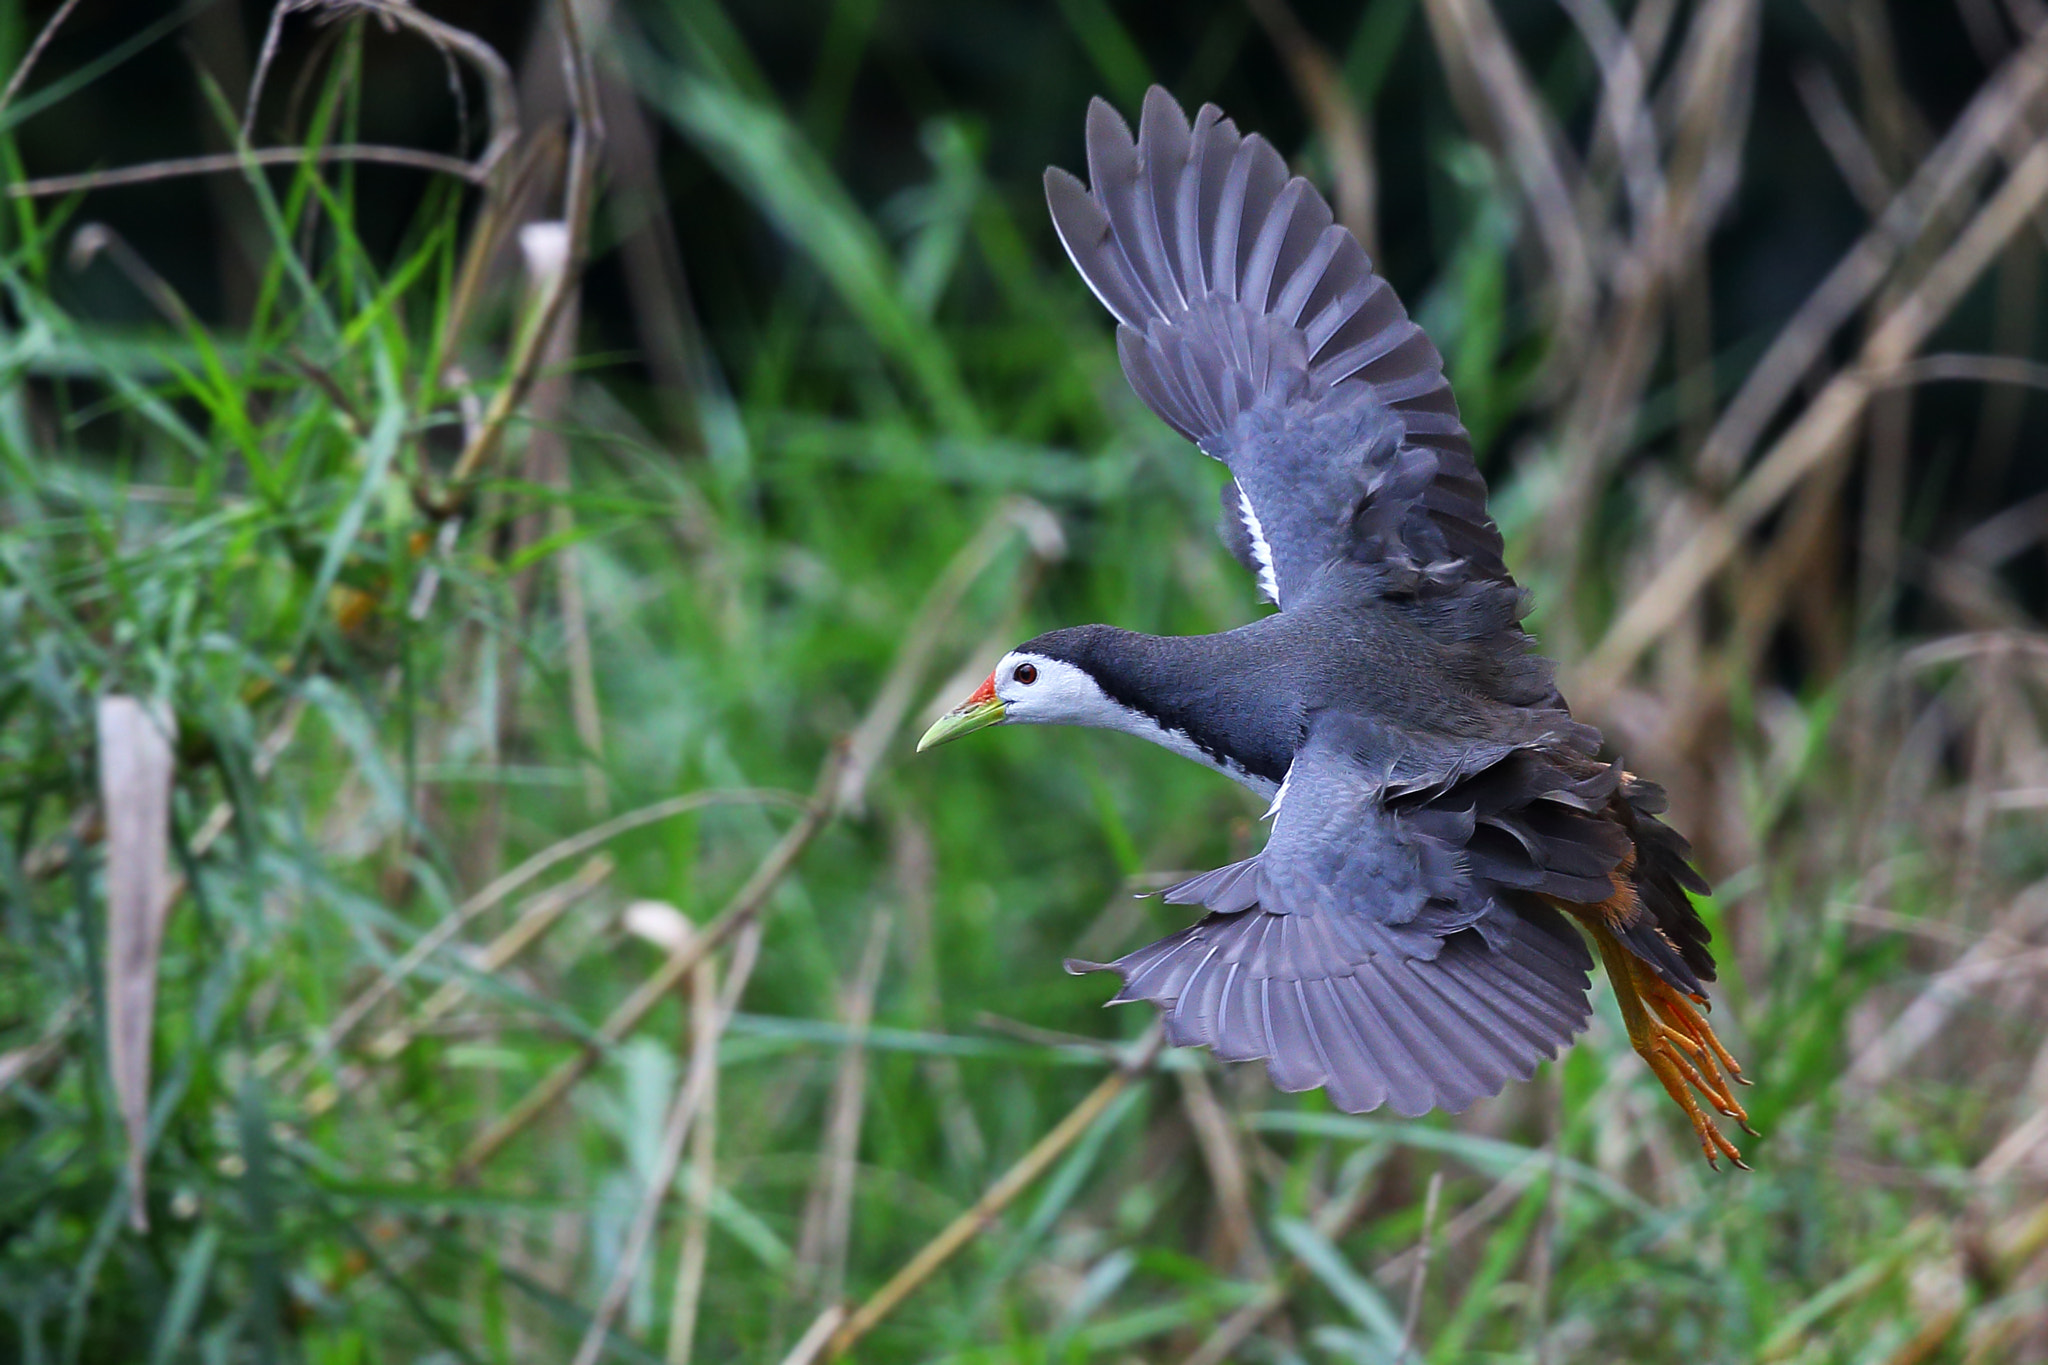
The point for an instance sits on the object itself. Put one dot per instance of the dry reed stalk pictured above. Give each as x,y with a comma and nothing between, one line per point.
501,100
914,873
35,51
703,1183
219,162
691,1100
828,1211
544,247
1470,38
1331,1222
561,851
1999,107
738,913
1820,433
1238,1241
813,1341
998,1196
534,919
1625,124
1710,90
1319,85
1411,1317
585,141
1842,136
671,341
930,627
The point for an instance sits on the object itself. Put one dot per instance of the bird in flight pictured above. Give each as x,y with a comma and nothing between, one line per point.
1440,821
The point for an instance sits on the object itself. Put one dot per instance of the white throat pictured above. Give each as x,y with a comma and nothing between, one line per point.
1059,693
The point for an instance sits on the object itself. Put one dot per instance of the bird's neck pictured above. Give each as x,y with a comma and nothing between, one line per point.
1201,696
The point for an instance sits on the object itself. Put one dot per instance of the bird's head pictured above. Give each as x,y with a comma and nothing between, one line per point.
1031,686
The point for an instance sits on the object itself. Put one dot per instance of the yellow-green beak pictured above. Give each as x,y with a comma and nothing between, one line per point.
962,720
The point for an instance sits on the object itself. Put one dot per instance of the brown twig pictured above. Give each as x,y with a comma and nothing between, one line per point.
998,1196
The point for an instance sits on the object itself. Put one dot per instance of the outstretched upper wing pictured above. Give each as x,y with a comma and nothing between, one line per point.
1255,326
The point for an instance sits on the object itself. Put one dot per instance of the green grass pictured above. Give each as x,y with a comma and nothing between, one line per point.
225,520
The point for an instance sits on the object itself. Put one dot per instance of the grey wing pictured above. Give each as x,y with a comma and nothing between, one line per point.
1392,956
1254,325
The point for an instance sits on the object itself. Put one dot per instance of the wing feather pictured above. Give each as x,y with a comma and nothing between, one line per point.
1364,952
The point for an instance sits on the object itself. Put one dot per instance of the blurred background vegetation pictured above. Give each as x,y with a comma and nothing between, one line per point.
530,623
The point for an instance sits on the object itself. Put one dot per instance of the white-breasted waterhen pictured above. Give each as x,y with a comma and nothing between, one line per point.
1439,818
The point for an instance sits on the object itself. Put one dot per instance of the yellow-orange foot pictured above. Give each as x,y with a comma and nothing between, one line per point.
1670,1033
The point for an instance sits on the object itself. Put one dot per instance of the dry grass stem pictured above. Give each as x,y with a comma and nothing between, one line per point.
535,918
1215,1136
828,1212
1820,433
998,1196
35,51
1332,1222
501,97
932,626
1469,35
578,192
737,914
219,162
1411,1317
702,1179
809,1346
691,1101
2001,106
840,783
431,942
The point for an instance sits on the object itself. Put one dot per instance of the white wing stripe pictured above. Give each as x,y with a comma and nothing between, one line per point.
1280,795
1269,583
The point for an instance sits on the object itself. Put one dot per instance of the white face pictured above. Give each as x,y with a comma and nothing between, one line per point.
1036,690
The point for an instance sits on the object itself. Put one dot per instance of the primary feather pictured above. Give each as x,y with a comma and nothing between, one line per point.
1247,316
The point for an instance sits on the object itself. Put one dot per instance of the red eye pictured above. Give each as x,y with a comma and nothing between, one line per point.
1026,674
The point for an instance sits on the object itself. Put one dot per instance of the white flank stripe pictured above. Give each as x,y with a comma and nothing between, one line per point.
1269,583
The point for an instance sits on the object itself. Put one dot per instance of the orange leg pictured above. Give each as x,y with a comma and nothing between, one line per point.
1670,1033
